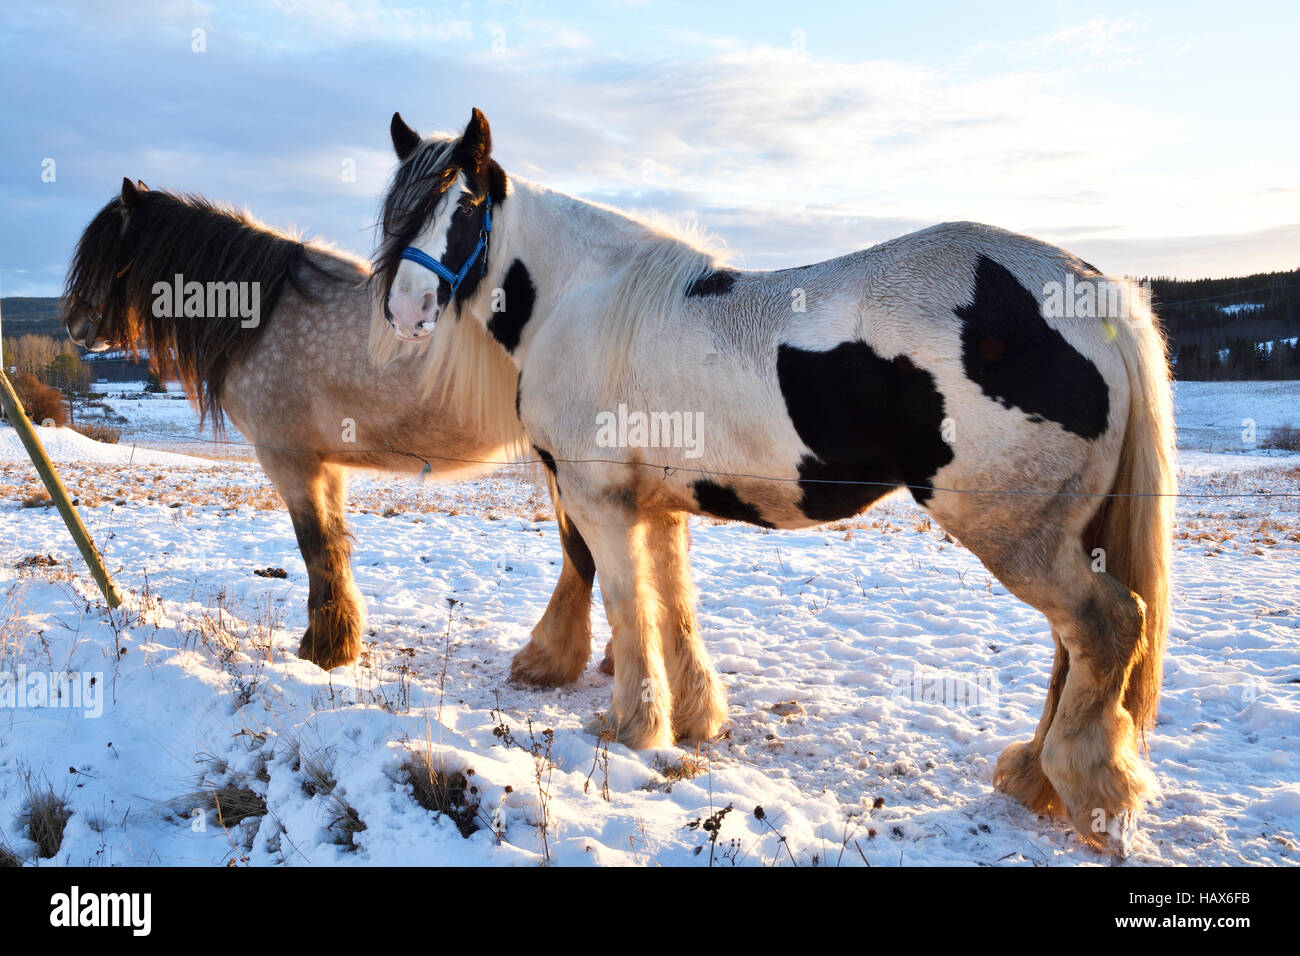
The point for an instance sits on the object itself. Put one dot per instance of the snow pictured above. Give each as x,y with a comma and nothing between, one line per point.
829,641
64,444
1237,307
1216,416
166,421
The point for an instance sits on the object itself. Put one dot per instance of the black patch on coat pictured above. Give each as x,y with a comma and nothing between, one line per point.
1017,359
507,326
718,282
575,546
519,394
462,237
866,419
721,501
547,459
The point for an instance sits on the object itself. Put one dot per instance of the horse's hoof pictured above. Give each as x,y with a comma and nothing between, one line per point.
1019,774
533,667
326,658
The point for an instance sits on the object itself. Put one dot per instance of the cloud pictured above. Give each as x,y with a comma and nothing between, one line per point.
1208,255
1097,37
790,158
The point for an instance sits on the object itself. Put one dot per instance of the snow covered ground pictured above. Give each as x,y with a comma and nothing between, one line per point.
1233,417
830,643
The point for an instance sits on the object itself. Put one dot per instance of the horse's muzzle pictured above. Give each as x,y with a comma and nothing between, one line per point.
412,317
85,332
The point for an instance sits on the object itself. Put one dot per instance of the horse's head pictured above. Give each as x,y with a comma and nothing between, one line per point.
437,222
95,306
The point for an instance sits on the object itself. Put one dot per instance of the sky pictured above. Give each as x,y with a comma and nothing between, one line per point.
1151,139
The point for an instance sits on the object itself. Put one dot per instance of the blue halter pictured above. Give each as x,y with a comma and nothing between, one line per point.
421,258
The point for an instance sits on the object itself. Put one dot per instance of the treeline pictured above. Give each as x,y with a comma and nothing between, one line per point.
38,314
1228,329
48,376
56,362
54,385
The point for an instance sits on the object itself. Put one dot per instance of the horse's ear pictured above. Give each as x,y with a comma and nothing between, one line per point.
130,195
475,144
405,139
139,184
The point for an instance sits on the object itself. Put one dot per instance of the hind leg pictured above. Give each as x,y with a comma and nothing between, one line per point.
1019,771
699,702
1087,748
315,493
560,644
1090,752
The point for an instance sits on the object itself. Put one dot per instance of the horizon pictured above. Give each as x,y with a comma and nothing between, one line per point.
792,138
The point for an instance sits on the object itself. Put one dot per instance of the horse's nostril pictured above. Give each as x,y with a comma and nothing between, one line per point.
427,303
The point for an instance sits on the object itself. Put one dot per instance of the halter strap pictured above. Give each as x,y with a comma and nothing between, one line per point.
421,258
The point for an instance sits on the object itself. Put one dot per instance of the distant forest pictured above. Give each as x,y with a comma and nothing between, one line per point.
24,314
1232,329
1219,329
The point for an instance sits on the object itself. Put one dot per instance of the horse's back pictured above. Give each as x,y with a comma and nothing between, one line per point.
936,359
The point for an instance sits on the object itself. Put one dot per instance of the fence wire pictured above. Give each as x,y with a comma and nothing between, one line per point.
670,470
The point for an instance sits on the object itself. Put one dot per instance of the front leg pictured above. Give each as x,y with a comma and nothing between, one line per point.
315,494
699,702
560,644
641,712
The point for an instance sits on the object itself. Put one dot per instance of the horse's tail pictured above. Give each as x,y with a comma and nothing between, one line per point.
1135,526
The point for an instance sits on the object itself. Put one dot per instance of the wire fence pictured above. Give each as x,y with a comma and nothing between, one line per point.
669,470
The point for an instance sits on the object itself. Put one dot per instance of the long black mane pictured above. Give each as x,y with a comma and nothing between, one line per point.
123,253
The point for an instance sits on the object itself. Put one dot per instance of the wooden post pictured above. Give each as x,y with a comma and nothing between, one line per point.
58,494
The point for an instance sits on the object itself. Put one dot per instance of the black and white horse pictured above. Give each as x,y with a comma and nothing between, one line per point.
1021,397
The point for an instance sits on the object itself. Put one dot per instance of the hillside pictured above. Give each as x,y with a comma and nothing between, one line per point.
26,314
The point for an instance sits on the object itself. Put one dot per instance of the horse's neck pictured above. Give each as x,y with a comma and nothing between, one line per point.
563,238
578,254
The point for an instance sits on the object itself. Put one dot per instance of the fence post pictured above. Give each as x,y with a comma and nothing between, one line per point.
58,494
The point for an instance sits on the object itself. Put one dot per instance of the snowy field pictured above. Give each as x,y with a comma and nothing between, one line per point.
1223,416
831,643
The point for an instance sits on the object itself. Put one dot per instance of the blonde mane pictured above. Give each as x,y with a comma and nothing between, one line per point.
665,256
468,372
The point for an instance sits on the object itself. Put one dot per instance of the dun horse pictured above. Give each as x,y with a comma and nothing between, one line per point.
961,362
291,373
